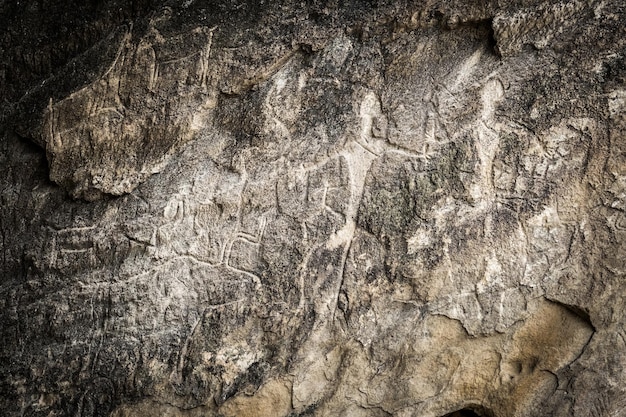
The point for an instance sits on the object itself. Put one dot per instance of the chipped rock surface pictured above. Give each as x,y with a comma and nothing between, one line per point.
318,208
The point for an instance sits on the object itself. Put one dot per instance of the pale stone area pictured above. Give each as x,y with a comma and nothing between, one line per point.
320,209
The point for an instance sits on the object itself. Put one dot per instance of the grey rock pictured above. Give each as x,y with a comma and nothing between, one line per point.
313,209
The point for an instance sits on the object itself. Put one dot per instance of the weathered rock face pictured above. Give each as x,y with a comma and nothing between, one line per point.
314,209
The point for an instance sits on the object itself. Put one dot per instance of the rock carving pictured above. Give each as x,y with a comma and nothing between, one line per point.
313,208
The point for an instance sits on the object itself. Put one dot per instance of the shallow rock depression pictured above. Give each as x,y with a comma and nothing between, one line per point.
323,208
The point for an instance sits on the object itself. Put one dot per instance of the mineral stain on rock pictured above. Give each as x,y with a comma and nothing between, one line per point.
313,208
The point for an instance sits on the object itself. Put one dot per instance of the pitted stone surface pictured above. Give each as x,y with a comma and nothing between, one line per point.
315,209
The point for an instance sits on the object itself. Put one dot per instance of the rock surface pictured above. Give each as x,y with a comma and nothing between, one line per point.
314,208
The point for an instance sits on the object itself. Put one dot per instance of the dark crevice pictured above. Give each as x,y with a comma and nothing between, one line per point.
578,311
463,413
307,412
471,411
485,25
492,42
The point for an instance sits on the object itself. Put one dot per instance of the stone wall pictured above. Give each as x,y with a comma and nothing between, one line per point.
323,208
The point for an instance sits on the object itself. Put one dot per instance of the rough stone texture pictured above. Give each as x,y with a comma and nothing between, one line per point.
324,208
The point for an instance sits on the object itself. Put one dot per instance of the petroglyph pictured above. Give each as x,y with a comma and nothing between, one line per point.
487,139
282,104
70,245
334,209
359,155
96,137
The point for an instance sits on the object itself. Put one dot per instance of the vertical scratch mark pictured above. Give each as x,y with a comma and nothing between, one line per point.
120,53
621,336
177,375
342,275
4,242
205,55
55,139
103,329
155,75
